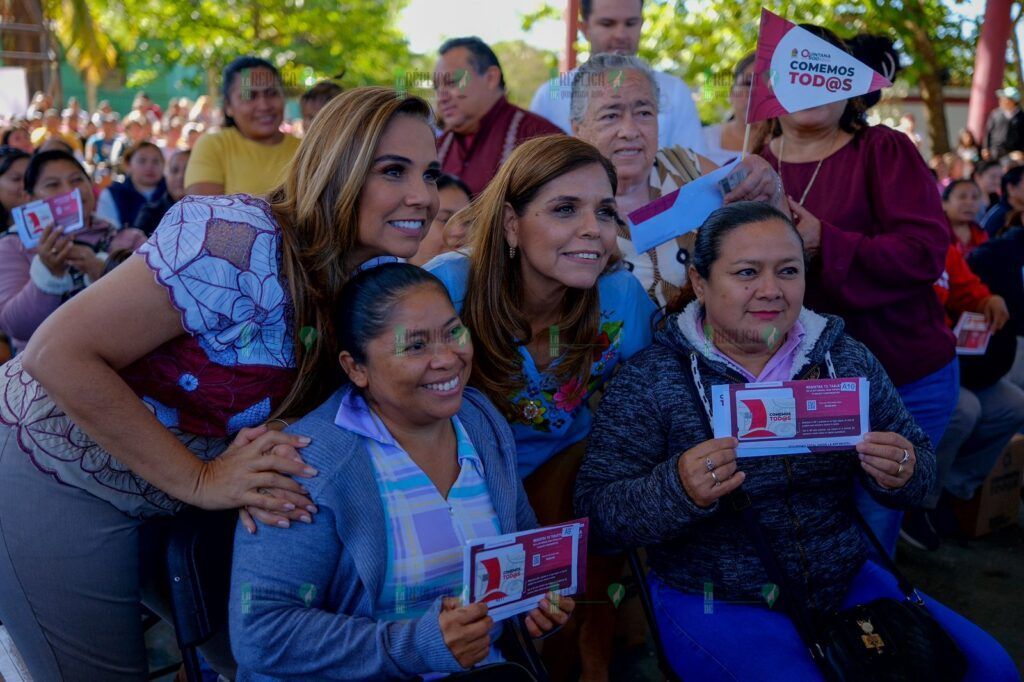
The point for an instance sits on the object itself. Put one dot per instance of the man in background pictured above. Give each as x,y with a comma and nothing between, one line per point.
615,26
481,127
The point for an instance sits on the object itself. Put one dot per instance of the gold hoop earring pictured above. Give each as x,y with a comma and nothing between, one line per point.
511,252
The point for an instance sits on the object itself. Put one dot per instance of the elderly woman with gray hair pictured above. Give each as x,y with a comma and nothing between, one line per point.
615,108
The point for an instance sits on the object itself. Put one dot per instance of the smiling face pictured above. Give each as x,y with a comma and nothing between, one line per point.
146,167
414,373
463,95
622,122
755,289
60,177
567,233
963,203
399,197
256,103
12,186
614,26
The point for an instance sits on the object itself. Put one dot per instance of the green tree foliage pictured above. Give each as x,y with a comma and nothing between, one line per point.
701,40
525,68
87,48
306,39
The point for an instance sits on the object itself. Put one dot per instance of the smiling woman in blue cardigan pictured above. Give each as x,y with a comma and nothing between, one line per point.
411,466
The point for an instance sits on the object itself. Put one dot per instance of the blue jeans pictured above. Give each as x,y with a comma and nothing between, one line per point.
930,401
719,641
982,425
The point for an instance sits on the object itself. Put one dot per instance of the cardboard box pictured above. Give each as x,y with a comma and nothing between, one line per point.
997,502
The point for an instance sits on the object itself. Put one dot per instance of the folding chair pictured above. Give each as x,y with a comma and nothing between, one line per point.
199,576
639,570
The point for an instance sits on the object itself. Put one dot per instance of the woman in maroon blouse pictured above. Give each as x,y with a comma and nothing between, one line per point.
872,223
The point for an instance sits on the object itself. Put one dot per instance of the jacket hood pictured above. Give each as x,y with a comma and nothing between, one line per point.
682,334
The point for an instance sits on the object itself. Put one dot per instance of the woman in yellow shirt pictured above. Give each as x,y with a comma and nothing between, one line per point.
250,153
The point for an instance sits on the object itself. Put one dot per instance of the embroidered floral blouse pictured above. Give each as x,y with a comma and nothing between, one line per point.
550,415
218,259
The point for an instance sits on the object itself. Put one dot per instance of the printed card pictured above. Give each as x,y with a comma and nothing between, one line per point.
792,417
63,210
972,334
513,572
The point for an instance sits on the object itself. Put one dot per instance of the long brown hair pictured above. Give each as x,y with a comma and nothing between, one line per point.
317,208
493,309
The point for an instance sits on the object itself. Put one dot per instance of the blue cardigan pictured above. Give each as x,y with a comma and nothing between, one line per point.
302,598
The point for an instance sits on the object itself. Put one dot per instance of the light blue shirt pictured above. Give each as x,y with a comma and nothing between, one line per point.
550,416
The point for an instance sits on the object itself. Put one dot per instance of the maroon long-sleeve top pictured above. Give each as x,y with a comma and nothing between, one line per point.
884,239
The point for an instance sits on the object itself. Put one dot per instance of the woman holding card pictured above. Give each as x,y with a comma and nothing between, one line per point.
551,316
35,281
655,476
405,452
989,410
615,102
156,388
866,206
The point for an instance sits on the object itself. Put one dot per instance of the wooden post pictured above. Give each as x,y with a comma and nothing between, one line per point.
989,64
572,27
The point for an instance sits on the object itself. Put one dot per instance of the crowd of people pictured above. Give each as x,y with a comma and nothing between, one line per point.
397,326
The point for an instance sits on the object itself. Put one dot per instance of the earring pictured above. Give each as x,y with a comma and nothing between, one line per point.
511,252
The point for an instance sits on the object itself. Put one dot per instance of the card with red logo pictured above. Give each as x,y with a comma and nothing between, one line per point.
63,210
791,417
972,334
513,572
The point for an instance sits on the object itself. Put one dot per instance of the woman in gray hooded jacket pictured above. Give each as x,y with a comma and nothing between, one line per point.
654,474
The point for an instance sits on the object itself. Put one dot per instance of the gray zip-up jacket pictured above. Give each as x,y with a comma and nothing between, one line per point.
629,483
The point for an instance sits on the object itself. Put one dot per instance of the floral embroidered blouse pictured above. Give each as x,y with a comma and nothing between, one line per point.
218,259
550,415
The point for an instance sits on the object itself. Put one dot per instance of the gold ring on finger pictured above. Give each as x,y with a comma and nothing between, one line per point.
900,469
713,476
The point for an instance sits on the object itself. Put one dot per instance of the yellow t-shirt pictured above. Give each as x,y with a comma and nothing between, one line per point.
41,135
240,164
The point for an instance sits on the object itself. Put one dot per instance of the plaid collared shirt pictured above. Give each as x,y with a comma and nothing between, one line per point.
426,533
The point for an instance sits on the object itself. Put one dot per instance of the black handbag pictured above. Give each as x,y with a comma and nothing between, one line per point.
885,640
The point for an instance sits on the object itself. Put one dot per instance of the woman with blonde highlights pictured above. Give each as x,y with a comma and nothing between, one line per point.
551,316
143,403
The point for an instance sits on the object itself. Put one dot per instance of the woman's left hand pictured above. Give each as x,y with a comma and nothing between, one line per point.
553,611
301,509
887,457
761,184
85,260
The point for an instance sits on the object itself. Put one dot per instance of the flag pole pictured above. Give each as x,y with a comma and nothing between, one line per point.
746,117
